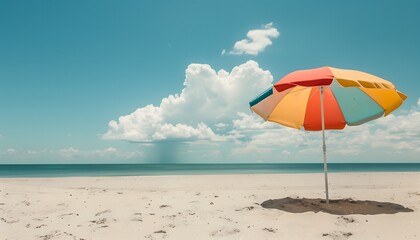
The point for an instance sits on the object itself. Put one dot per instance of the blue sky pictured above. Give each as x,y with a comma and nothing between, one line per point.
69,68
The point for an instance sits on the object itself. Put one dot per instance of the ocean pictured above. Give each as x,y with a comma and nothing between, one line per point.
74,170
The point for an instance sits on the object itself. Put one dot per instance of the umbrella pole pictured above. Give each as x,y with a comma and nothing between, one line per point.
324,147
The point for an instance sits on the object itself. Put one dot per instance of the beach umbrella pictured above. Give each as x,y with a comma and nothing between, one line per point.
327,98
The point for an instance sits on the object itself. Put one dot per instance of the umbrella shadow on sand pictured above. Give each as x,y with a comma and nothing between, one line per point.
336,207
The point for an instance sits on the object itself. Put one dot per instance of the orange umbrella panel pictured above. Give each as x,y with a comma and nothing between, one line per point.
333,116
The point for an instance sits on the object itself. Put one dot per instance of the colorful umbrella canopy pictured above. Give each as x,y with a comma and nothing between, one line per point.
350,97
327,98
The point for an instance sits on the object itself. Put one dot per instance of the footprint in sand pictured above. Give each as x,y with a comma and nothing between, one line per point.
226,218
162,234
338,235
343,221
170,226
224,232
137,219
245,208
103,212
57,233
40,226
67,214
70,235
51,235
272,230
173,216
251,196
9,221
99,221
149,237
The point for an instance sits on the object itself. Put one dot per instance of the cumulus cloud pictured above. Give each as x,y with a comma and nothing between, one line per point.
182,131
209,101
400,133
257,40
250,122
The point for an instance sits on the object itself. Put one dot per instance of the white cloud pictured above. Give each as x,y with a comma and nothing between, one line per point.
250,121
11,151
257,41
221,125
35,152
68,152
110,152
182,131
399,133
265,140
209,98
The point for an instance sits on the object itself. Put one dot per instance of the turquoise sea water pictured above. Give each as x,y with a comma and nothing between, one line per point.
70,170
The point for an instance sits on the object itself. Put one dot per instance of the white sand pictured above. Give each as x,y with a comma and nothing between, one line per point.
203,207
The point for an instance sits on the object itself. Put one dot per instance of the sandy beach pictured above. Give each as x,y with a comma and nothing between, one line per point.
263,206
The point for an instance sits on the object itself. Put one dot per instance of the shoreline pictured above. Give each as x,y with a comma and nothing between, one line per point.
229,206
102,170
206,175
